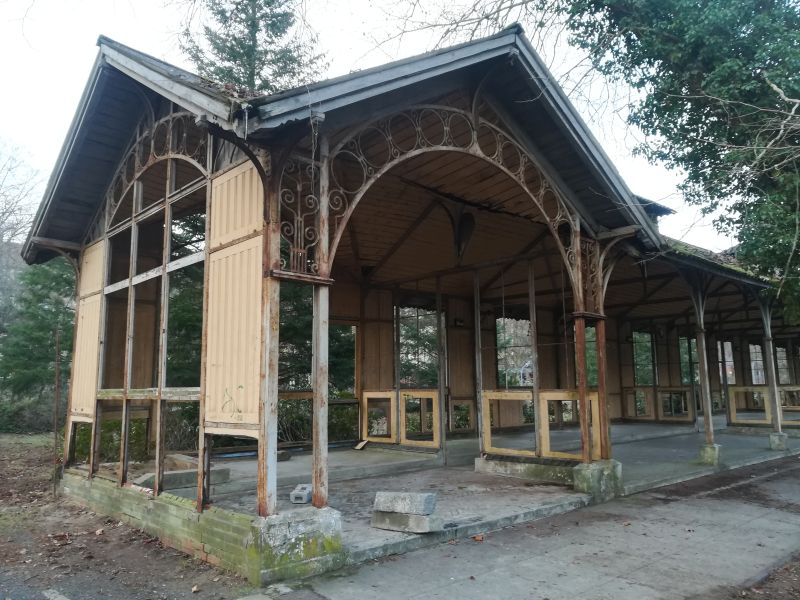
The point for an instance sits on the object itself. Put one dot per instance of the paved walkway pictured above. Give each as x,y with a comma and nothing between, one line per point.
692,540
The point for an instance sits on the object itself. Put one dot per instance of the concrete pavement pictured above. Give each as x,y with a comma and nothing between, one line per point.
692,540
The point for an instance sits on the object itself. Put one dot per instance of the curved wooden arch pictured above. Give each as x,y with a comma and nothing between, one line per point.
366,153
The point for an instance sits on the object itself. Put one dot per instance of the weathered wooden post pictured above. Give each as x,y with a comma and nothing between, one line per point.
777,439
319,373
698,285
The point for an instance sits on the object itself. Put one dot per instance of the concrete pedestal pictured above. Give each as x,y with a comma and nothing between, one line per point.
709,454
777,441
602,479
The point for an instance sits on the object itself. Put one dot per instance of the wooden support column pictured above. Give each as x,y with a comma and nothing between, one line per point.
320,383
476,319
583,397
768,355
442,370
122,473
705,385
267,468
699,288
535,376
94,446
602,388
319,343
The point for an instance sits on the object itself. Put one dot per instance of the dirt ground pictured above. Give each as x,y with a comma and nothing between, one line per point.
48,543
782,584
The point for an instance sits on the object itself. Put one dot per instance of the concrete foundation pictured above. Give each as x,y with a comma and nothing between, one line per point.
777,441
709,454
554,472
289,545
601,479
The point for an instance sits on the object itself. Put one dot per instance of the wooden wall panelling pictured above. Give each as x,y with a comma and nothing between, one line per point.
237,205
234,334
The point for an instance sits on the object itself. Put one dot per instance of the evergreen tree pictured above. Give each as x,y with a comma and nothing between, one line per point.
43,303
254,44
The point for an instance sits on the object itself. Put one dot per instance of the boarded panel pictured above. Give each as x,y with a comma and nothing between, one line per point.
237,205
378,341
461,344
345,301
92,262
83,390
234,334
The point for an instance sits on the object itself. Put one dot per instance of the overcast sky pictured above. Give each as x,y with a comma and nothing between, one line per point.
48,48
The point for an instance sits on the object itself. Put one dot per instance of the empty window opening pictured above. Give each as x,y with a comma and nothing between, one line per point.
690,371
644,372
153,184
188,225
514,362
114,339
757,374
727,366
146,341
119,256
784,368
419,347
150,243
184,327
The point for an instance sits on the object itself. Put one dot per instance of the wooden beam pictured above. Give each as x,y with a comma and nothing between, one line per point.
503,270
402,239
644,297
59,244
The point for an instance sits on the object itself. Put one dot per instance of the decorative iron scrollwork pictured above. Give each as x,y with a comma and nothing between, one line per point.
365,154
174,136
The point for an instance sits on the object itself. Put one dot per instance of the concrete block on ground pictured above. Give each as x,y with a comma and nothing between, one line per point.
301,494
602,479
407,523
777,441
709,454
284,455
410,503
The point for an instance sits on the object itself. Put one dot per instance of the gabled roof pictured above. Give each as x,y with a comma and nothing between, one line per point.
112,105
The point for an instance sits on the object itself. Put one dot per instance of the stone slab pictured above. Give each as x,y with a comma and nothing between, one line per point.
410,503
406,523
